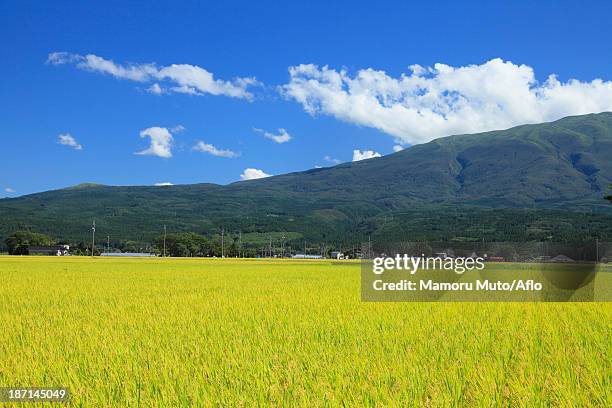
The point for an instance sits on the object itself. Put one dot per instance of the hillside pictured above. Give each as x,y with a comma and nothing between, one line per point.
560,164
558,171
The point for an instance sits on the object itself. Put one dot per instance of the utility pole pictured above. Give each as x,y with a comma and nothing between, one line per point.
108,243
597,250
240,255
164,241
222,243
270,246
283,246
93,238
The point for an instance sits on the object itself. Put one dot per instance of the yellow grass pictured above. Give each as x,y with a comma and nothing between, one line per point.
193,332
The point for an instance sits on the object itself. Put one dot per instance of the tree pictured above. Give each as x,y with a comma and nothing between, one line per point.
79,249
185,244
19,242
609,198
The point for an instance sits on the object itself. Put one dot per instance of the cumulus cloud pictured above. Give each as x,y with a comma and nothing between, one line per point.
10,190
252,174
163,184
281,137
66,139
161,142
427,103
156,89
180,78
366,154
210,149
398,148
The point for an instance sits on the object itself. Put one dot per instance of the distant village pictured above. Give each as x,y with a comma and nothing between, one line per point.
64,250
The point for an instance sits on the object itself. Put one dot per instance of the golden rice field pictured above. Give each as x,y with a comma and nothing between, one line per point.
194,332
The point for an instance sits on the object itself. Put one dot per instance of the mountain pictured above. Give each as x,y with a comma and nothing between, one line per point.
552,173
560,164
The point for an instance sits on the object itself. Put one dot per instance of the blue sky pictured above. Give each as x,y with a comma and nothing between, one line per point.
372,97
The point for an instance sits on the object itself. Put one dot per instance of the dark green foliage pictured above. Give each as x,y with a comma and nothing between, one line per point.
185,244
18,242
477,224
528,182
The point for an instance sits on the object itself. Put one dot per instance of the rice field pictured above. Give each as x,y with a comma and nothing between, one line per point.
205,332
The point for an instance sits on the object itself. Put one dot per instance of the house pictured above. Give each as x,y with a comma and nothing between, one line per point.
50,250
562,259
302,256
336,255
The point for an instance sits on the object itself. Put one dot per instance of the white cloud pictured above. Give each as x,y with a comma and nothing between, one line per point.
181,78
252,174
177,129
332,160
10,190
156,89
366,154
163,184
428,103
398,148
210,149
161,142
60,58
281,137
66,139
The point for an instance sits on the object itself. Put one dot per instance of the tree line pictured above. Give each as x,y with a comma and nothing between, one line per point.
190,244
182,244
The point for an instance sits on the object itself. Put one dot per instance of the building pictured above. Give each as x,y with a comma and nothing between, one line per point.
561,259
51,250
336,255
543,258
302,256
129,254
